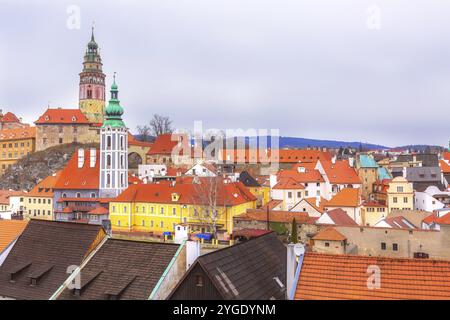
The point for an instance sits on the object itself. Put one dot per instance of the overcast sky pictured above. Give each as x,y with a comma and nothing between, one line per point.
341,70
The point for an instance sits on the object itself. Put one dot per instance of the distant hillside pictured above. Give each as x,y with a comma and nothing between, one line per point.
292,142
28,171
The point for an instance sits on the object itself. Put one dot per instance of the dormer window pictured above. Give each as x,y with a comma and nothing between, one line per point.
74,119
47,118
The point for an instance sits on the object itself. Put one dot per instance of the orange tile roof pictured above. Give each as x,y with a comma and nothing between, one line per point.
312,176
84,178
9,231
340,217
288,183
445,219
446,156
345,277
347,197
17,133
340,172
163,144
9,117
132,141
228,194
254,155
99,210
330,234
62,116
45,187
445,167
312,203
6,194
277,216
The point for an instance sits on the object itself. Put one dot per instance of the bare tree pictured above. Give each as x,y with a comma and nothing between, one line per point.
144,132
209,198
160,125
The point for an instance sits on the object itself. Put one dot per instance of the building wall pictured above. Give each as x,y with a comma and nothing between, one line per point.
368,176
13,150
38,207
371,215
329,246
426,202
49,135
398,199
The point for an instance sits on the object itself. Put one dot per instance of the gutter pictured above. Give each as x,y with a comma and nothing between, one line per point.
78,270
164,275
296,278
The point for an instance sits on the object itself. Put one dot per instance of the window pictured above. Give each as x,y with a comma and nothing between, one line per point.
299,194
395,247
383,246
306,193
162,210
289,195
108,142
93,195
60,140
162,224
174,211
399,189
78,195
114,209
124,209
143,223
327,244
118,223
199,281
405,199
152,209
318,184
151,223
394,199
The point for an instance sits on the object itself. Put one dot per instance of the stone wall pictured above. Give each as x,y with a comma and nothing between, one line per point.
50,135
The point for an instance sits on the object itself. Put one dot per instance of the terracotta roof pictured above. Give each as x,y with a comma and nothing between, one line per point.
373,204
444,219
45,187
17,133
132,141
399,222
288,183
326,276
330,234
271,204
249,233
86,177
446,156
253,155
189,193
340,172
163,144
347,197
312,203
445,167
9,231
44,251
6,194
133,179
9,117
340,217
430,219
312,176
99,210
277,216
144,262
62,116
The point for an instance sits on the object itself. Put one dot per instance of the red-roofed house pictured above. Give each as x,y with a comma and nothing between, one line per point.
336,217
170,148
60,126
10,121
349,200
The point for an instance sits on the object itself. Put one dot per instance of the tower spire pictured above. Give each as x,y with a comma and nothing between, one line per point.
92,33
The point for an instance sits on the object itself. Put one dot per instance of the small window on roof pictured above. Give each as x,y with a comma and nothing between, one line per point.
199,280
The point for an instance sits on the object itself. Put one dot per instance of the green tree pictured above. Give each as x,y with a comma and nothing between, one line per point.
294,236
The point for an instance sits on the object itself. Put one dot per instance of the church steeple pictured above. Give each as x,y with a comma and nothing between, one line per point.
114,111
92,83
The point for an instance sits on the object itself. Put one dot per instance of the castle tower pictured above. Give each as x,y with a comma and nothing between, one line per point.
92,84
113,149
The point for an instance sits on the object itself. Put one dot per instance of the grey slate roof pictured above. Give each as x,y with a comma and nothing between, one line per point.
248,180
44,251
126,269
422,174
246,271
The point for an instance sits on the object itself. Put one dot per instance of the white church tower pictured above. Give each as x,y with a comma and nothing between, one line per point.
113,149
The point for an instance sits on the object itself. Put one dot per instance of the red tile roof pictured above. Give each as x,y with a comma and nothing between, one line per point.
340,218
446,156
132,141
445,219
326,276
228,194
330,234
163,144
45,187
84,178
399,222
312,176
347,197
312,203
18,133
9,117
99,210
445,167
340,172
288,183
6,194
62,116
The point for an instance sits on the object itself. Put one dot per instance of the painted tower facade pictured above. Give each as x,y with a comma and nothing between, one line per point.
92,84
113,149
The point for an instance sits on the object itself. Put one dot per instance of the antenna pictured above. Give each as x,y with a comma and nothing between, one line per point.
299,249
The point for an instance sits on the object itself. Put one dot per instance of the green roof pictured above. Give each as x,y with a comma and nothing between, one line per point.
114,110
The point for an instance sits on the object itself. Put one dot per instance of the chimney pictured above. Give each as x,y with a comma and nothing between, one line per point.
192,252
351,161
294,256
93,157
80,158
317,201
333,160
404,172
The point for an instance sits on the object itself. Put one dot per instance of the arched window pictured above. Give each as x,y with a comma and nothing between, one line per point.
108,141
122,143
122,182
78,195
108,160
64,195
108,180
93,195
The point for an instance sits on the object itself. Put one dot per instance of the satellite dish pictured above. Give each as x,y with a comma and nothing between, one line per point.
299,249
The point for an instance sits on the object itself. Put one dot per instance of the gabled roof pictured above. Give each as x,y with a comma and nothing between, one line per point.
326,276
288,184
309,176
446,156
445,166
99,211
247,179
85,178
444,219
347,197
383,173
312,203
340,172
418,174
128,269
45,187
398,222
246,271
9,231
62,116
18,133
163,144
228,194
329,234
338,217
9,117
46,248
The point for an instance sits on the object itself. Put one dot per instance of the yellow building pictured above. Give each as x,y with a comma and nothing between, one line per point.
15,144
372,212
38,203
158,208
400,195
